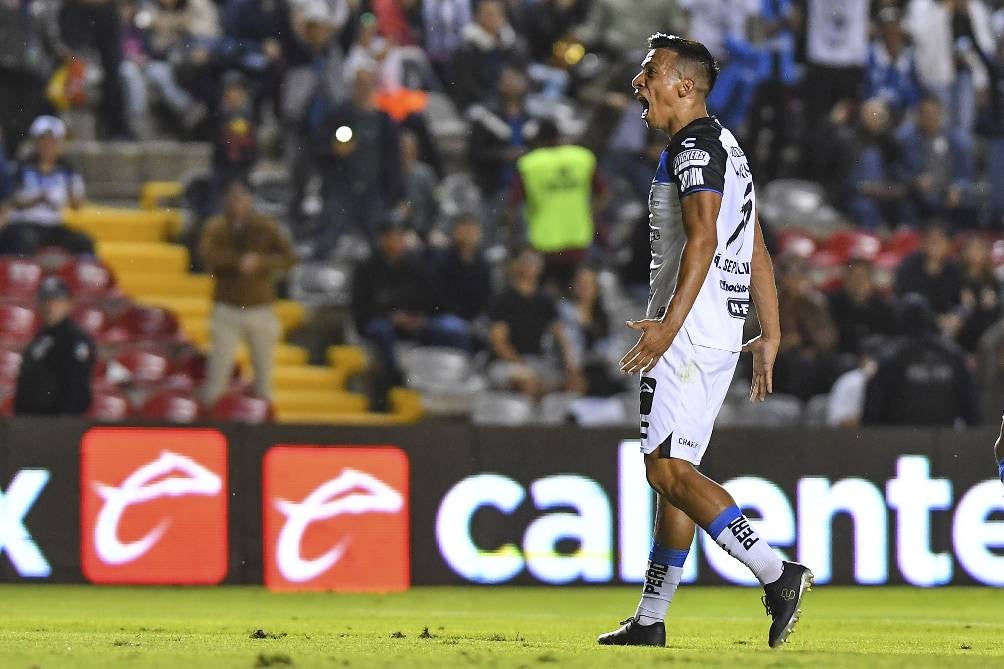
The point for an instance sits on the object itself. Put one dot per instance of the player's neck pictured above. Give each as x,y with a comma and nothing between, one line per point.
685,117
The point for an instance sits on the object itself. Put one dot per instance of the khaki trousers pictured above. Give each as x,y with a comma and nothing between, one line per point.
259,327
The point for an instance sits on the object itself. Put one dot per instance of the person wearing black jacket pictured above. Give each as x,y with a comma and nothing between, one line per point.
924,379
392,300
55,376
358,152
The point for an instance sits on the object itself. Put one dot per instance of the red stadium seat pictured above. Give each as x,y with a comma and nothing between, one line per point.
171,406
242,409
143,368
88,280
826,270
151,324
847,244
10,366
108,407
903,241
19,279
91,319
792,241
17,324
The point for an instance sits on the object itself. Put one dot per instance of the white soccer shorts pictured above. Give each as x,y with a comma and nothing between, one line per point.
681,397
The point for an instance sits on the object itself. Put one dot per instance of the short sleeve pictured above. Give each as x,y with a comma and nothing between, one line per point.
698,164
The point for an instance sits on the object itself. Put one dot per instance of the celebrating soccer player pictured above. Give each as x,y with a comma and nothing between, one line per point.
708,260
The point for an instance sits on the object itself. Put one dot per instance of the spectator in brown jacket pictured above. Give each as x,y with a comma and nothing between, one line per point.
244,252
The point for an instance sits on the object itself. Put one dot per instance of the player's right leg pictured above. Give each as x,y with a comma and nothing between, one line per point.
674,533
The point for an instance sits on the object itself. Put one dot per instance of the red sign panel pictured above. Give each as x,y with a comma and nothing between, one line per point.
336,518
153,505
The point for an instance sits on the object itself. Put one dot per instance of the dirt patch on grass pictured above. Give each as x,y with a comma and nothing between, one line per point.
262,634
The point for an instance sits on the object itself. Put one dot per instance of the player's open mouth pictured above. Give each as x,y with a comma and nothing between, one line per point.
644,105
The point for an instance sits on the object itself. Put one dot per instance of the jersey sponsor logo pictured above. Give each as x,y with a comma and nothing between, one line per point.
691,158
689,443
336,518
691,178
738,308
689,143
15,539
733,287
154,506
741,530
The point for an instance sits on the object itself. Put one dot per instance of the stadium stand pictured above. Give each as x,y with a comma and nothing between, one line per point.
837,184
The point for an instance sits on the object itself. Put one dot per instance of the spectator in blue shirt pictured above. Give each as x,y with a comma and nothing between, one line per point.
891,71
938,163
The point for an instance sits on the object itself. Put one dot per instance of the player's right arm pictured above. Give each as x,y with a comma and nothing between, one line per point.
764,294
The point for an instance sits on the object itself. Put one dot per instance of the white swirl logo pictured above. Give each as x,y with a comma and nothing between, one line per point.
136,489
351,492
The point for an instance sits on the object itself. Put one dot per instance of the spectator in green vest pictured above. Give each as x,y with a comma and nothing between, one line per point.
559,188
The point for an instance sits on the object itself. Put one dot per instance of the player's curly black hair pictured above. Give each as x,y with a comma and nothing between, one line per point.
691,51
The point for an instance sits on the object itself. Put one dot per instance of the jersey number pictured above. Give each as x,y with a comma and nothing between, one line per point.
747,210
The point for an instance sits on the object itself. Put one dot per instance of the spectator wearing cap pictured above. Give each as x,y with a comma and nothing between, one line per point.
55,375
393,300
245,252
44,185
560,188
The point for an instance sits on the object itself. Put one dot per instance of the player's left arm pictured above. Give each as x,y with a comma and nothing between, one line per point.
700,216
764,293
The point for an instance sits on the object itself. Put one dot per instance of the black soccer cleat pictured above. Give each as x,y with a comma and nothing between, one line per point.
633,633
783,601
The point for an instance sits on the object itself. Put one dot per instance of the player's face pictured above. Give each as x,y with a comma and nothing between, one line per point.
656,87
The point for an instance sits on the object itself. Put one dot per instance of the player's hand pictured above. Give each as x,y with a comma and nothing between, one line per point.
764,353
656,337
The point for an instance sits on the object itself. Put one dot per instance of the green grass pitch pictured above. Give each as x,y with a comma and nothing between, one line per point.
50,627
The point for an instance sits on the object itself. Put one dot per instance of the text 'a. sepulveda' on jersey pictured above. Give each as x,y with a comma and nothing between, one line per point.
704,156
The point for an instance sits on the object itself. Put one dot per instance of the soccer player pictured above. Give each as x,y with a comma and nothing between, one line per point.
708,260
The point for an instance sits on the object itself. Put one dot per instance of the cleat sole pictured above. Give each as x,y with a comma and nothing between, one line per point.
806,585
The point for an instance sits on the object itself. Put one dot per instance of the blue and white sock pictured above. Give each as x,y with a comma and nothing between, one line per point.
732,531
1000,470
665,569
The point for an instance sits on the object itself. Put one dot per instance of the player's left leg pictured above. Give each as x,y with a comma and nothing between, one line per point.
714,509
674,533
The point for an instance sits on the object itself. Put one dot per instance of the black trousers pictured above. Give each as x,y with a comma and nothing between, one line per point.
24,239
96,25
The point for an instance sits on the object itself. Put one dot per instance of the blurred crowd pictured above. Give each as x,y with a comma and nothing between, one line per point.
522,238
